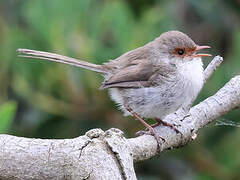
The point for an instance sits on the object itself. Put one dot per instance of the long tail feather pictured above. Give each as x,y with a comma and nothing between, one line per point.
28,53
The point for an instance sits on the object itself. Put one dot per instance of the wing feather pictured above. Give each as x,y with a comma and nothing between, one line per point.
132,76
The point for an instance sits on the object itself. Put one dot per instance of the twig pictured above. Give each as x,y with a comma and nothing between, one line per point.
212,66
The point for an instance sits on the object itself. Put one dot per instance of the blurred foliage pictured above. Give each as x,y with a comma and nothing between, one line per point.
7,113
59,101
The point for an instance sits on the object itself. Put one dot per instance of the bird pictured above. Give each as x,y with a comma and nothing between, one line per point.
151,81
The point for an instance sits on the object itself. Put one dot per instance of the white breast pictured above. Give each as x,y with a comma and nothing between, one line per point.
159,101
193,75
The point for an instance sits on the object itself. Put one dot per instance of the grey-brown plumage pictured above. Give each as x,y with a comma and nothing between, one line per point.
150,81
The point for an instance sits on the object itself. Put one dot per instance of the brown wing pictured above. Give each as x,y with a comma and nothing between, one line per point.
132,76
135,69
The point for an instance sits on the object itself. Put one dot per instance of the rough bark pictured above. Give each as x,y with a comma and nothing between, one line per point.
109,155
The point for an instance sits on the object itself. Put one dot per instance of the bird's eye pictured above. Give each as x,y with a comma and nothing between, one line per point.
180,52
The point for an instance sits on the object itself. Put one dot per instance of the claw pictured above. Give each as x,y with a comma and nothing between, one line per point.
150,129
172,126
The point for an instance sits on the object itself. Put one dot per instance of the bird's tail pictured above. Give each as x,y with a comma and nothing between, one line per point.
61,59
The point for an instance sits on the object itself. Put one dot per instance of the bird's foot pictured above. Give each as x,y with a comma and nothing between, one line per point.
150,131
172,126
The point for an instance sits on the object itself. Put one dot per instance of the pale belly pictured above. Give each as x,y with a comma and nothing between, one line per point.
149,102
157,102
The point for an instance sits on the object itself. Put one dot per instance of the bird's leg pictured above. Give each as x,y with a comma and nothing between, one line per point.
150,128
159,121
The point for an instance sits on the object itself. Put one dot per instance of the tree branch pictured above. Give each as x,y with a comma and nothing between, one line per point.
226,99
212,66
108,155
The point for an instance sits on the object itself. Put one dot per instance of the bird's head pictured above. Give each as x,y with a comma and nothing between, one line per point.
178,47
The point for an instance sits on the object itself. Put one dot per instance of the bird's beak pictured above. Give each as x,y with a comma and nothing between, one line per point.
200,48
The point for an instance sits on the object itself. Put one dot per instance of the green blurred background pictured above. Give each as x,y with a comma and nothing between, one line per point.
49,100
